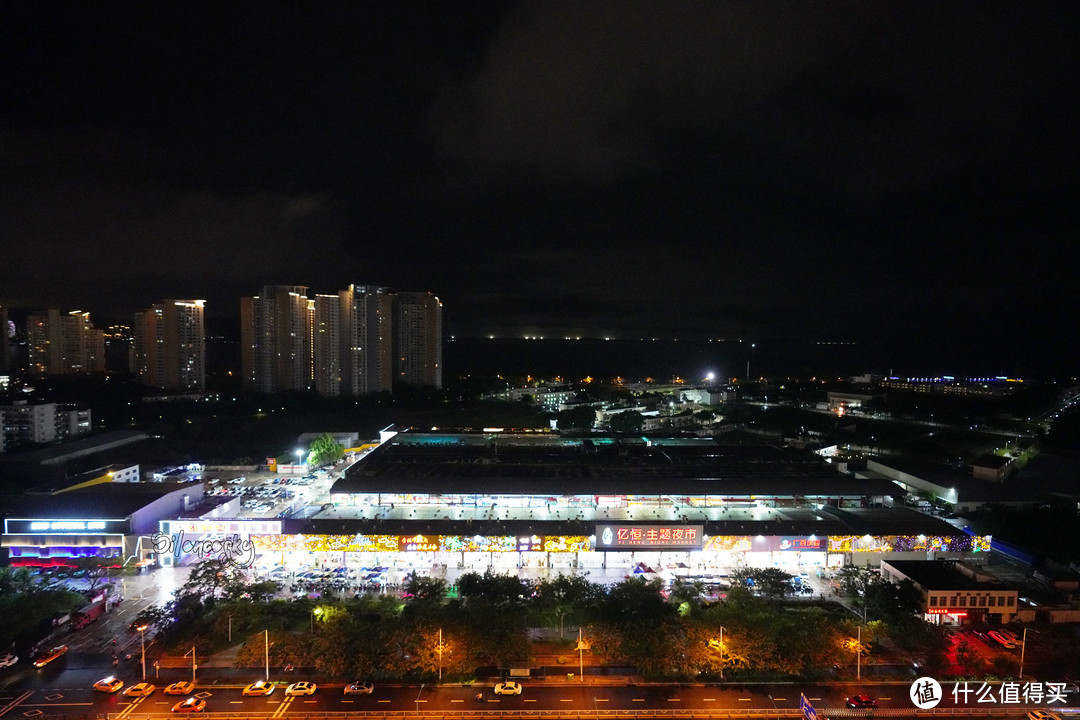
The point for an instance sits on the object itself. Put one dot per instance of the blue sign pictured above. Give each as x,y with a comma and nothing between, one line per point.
808,710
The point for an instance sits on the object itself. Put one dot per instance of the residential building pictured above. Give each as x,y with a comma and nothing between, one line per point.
327,350
5,340
417,339
276,339
42,423
169,348
366,335
64,344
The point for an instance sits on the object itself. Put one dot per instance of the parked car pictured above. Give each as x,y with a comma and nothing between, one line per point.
360,688
182,687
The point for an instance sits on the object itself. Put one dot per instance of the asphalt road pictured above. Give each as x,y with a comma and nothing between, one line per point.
64,689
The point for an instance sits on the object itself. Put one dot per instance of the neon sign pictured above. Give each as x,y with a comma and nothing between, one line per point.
619,537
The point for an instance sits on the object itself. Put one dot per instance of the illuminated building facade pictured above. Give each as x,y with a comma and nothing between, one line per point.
367,324
326,344
64,344
169,347
276,336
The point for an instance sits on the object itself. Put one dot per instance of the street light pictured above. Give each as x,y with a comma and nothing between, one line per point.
266,651
142,643
1023,647
299,456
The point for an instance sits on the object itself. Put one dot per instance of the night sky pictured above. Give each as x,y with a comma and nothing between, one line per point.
820,170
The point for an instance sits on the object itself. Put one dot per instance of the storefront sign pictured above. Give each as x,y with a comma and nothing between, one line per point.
649,537
946,611
65,527
801,543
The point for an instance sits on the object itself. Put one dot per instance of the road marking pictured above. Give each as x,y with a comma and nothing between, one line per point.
315,701
231,702
352,701
16,701
745,699
813,699
884,698
709,699
674,699
781,699
639,699
464,701
599,699
565,700
525,701
384,701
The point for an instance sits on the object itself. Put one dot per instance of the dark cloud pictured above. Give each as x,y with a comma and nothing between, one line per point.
809,169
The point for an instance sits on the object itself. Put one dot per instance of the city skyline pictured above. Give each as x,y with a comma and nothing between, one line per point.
882,172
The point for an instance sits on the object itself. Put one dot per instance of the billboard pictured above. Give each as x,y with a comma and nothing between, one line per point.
649,537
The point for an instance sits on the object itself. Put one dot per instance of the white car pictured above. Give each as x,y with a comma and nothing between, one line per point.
8,660
508,688
301,688
360,688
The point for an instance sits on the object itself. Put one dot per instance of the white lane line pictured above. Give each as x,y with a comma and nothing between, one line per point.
457,701
674,699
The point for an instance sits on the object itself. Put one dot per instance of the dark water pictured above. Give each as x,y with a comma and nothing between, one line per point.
692,360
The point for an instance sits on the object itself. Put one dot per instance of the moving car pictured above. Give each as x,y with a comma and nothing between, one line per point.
300,688
1042,715
360,688
49,655
180,688
8,660
259,687
109,684
862,701
192,704
140,689
508,688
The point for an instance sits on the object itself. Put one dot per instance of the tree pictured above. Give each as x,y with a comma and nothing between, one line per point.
325,450
579,417
95,569
630,421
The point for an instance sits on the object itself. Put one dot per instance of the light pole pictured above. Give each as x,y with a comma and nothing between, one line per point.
440,654
299,455
230,628
1023,647
142,644
721,653
858,656
266,652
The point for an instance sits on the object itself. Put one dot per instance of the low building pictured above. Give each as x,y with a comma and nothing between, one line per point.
956,593
992,467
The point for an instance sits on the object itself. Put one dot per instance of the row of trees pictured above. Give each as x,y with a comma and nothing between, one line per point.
29,603
484,624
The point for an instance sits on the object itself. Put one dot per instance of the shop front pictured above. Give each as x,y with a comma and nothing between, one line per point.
50,542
